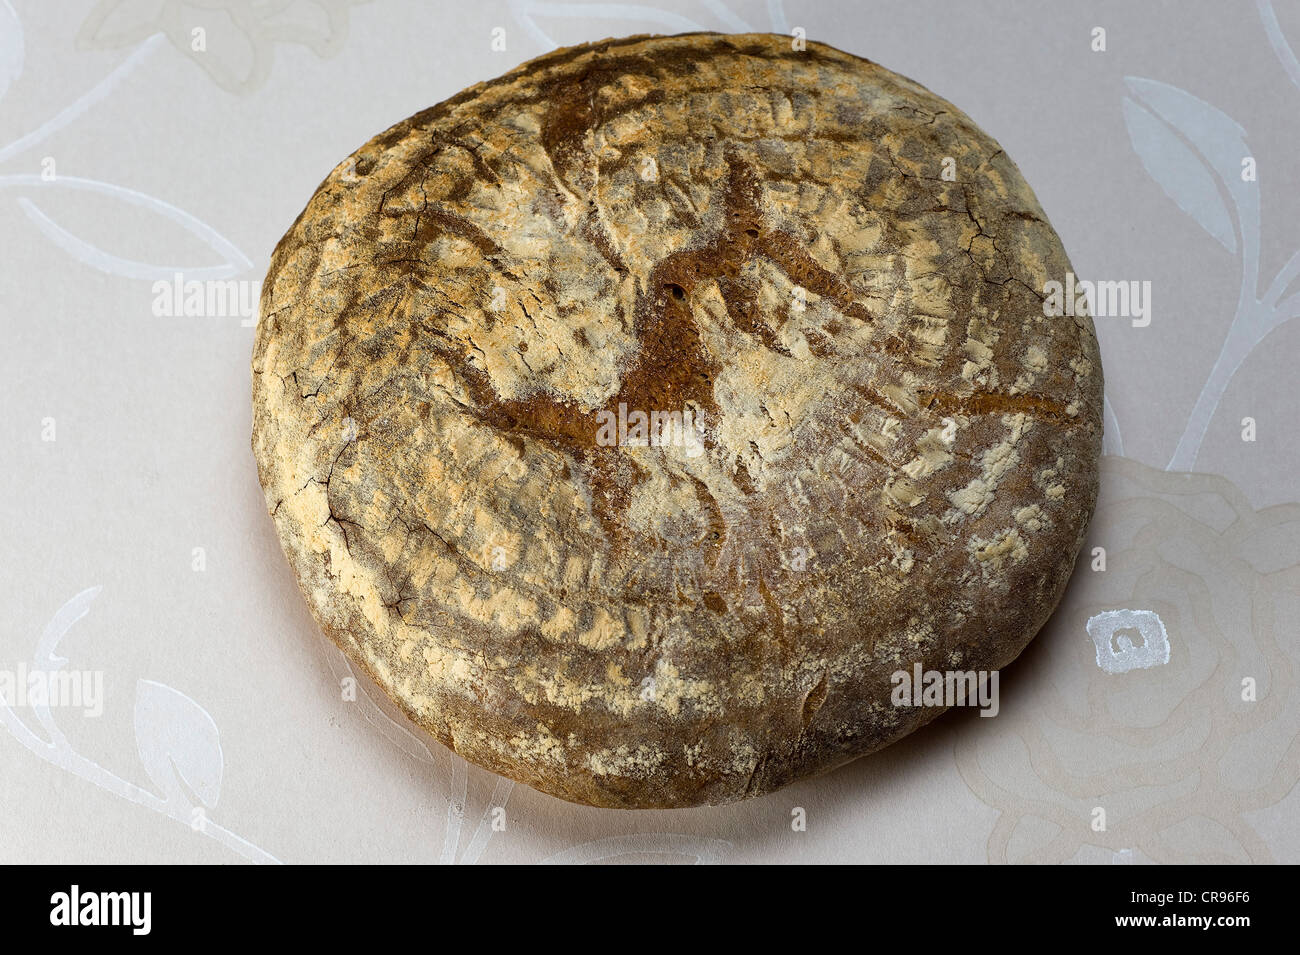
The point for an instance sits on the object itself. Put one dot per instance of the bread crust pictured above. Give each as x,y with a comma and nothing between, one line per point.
898,450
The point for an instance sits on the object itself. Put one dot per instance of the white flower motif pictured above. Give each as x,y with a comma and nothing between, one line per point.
1180,754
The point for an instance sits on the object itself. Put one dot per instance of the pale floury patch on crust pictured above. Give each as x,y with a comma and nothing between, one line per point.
899,449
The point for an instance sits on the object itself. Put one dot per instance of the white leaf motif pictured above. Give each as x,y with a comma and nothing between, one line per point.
60,624
1181,141
234,263
176,737
1285,55
154,702
1179,172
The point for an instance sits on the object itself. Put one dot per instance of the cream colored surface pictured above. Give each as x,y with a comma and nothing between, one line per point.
151,459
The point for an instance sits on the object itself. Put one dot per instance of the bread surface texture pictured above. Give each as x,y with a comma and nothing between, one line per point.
867,445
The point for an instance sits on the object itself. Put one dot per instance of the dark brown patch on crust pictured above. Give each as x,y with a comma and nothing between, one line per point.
984,403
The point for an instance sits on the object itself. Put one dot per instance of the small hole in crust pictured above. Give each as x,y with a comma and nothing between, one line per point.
677,291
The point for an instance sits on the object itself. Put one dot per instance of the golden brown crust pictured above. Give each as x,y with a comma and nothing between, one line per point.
899,449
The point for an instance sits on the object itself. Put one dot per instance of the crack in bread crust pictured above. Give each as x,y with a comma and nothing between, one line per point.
884,453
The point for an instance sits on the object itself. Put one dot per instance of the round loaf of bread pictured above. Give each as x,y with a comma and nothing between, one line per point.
635,417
